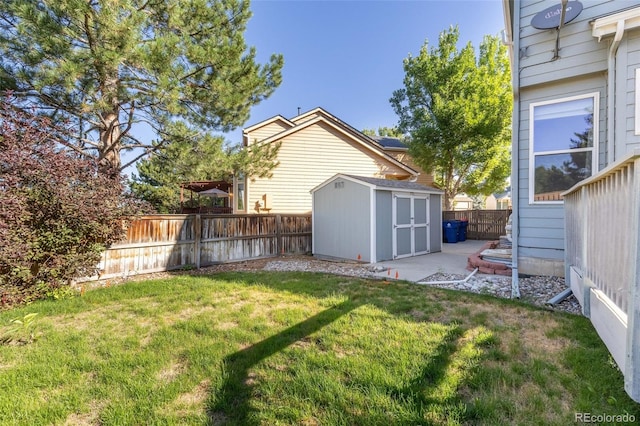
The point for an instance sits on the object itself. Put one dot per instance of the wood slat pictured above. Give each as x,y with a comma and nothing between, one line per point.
165,242
483,224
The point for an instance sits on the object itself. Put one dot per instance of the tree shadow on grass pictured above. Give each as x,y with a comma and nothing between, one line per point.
431,390
232,403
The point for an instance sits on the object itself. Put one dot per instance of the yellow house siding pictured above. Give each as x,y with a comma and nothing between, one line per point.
423,178
308,116
309,157
266,131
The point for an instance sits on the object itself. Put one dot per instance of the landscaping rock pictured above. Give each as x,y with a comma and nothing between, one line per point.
535,290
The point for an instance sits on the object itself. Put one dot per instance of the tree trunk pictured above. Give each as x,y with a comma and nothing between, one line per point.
109,151
448,201
110,132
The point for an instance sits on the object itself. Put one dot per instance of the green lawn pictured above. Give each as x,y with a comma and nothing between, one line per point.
301,348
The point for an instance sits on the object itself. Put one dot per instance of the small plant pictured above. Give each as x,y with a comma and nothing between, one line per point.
58,292
612,363
21,330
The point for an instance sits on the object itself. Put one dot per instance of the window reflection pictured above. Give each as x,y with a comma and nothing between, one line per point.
557,173
563,146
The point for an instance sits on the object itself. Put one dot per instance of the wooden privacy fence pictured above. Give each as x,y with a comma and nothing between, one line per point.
164,242
483,224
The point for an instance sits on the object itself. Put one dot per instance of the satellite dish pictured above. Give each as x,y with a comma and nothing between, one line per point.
550,17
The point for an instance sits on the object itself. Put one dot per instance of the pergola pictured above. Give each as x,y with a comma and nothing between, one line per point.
209,188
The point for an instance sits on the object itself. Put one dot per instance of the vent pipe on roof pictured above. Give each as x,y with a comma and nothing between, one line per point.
298,110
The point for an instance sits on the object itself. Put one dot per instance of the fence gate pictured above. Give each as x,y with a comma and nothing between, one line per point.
410,225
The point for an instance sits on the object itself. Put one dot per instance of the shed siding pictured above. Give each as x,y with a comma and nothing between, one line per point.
266,131
435,222
384,226
341,221
308,158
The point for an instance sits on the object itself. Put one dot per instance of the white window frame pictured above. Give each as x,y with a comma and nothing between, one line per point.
594,149
637,106
236,181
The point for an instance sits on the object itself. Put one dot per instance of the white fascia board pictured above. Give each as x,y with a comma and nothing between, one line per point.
267,121
608,25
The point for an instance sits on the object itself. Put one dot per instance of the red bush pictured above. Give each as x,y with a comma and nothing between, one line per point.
57,210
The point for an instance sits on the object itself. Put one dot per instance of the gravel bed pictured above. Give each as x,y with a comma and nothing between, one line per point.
535,290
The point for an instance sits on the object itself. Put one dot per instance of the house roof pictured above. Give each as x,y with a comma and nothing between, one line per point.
503,195
377,183
319,115
268,121
387,142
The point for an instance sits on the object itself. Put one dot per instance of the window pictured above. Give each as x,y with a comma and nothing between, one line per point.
563,145
240,199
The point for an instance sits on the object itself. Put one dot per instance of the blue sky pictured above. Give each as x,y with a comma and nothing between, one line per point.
346,56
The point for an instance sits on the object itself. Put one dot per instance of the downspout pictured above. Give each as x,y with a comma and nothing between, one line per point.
515,126
611,92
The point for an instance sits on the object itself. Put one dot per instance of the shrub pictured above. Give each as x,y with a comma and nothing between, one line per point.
58,211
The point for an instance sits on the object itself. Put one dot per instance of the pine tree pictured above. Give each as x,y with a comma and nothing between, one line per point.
109,66
209,158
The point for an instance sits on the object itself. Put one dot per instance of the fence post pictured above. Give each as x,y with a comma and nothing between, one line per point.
197,237
279,245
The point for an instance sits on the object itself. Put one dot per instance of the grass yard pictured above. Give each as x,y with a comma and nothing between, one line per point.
301,348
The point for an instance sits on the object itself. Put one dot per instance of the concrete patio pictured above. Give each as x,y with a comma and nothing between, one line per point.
451,260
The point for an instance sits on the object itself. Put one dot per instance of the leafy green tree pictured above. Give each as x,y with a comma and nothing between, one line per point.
160,175
109,66
456,110
390,132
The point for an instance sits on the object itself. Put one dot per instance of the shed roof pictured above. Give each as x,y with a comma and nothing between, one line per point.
377,183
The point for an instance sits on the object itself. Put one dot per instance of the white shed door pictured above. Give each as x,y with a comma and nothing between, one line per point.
410,225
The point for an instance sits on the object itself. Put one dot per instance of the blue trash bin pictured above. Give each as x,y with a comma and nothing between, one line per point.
450,229
462,232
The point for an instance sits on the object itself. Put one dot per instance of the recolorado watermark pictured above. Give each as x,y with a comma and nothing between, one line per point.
604,418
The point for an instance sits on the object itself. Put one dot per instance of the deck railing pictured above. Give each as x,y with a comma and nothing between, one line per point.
602,259
164,242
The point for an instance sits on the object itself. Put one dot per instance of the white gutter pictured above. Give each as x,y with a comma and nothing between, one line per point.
615,25
611,92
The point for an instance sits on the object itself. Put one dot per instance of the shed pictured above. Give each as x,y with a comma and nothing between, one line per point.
371,220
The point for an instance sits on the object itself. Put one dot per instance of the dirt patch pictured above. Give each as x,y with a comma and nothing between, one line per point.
417,314
190,402
226,325
90,418
169,373
196,397
531,329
